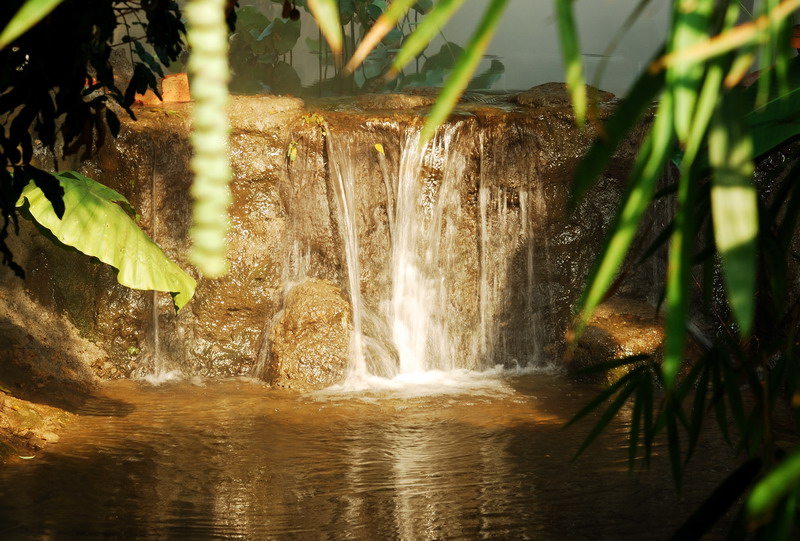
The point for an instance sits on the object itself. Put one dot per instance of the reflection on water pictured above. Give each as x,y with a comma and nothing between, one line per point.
237,460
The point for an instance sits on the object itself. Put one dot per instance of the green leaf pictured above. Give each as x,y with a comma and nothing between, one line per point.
28,15
644,176
734,209
97,222
775,486
680,261
690,26
326,13
464,68
429,28
626,116
573,66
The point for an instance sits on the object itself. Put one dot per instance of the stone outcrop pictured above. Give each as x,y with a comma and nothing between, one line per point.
620,328
310,340
497,179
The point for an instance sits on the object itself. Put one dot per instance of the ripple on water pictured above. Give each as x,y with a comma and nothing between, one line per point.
450,455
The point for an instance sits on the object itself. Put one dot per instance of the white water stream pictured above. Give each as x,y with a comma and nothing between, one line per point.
427,206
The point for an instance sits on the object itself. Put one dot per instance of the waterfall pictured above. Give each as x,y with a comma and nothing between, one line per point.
454,237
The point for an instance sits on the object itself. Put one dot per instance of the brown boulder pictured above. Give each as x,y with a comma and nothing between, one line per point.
309,343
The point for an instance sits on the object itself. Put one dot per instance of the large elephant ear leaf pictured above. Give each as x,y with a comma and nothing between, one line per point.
98,222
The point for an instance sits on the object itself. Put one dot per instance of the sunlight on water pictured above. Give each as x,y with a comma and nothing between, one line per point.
492,382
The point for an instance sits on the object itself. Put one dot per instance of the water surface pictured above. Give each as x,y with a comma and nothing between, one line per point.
235,459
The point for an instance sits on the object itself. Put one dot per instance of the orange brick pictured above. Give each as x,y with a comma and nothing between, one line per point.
174,89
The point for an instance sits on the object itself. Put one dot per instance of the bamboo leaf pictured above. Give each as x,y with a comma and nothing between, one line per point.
382,26
774,487
680,260
28,15
430,26
645,174
573,66
690,25
97,222
326,13
734,210
626,116
464,68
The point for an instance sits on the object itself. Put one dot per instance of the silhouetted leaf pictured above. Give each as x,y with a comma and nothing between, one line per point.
113,122
385,23
97,223
429,28
719,501
49,186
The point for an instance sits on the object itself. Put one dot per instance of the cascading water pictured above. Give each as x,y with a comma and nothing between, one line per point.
453,240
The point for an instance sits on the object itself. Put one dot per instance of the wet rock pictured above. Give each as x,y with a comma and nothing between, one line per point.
619,329
393,102
556,95
310,341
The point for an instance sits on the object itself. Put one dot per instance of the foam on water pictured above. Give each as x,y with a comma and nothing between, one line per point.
492,382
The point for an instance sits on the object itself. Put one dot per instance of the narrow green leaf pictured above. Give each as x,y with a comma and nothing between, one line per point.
464,68
680,260
326,13
644,176
690,24
573,65
719,502
28,15
429,28
774,487
382,26
97,222
626,116
734,209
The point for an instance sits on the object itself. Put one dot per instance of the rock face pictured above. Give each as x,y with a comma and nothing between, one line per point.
310,340
498,260
620,328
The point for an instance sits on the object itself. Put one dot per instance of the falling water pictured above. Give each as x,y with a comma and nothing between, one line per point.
343,178
457,238
159,368
420,326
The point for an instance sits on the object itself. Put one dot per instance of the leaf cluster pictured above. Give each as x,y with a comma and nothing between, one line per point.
731,232
57,78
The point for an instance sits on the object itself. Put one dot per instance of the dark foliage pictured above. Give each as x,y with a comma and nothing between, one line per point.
57,78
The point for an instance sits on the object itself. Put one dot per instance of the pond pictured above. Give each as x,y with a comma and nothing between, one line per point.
460,455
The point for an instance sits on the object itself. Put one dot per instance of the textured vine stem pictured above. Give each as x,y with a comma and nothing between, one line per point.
208,66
